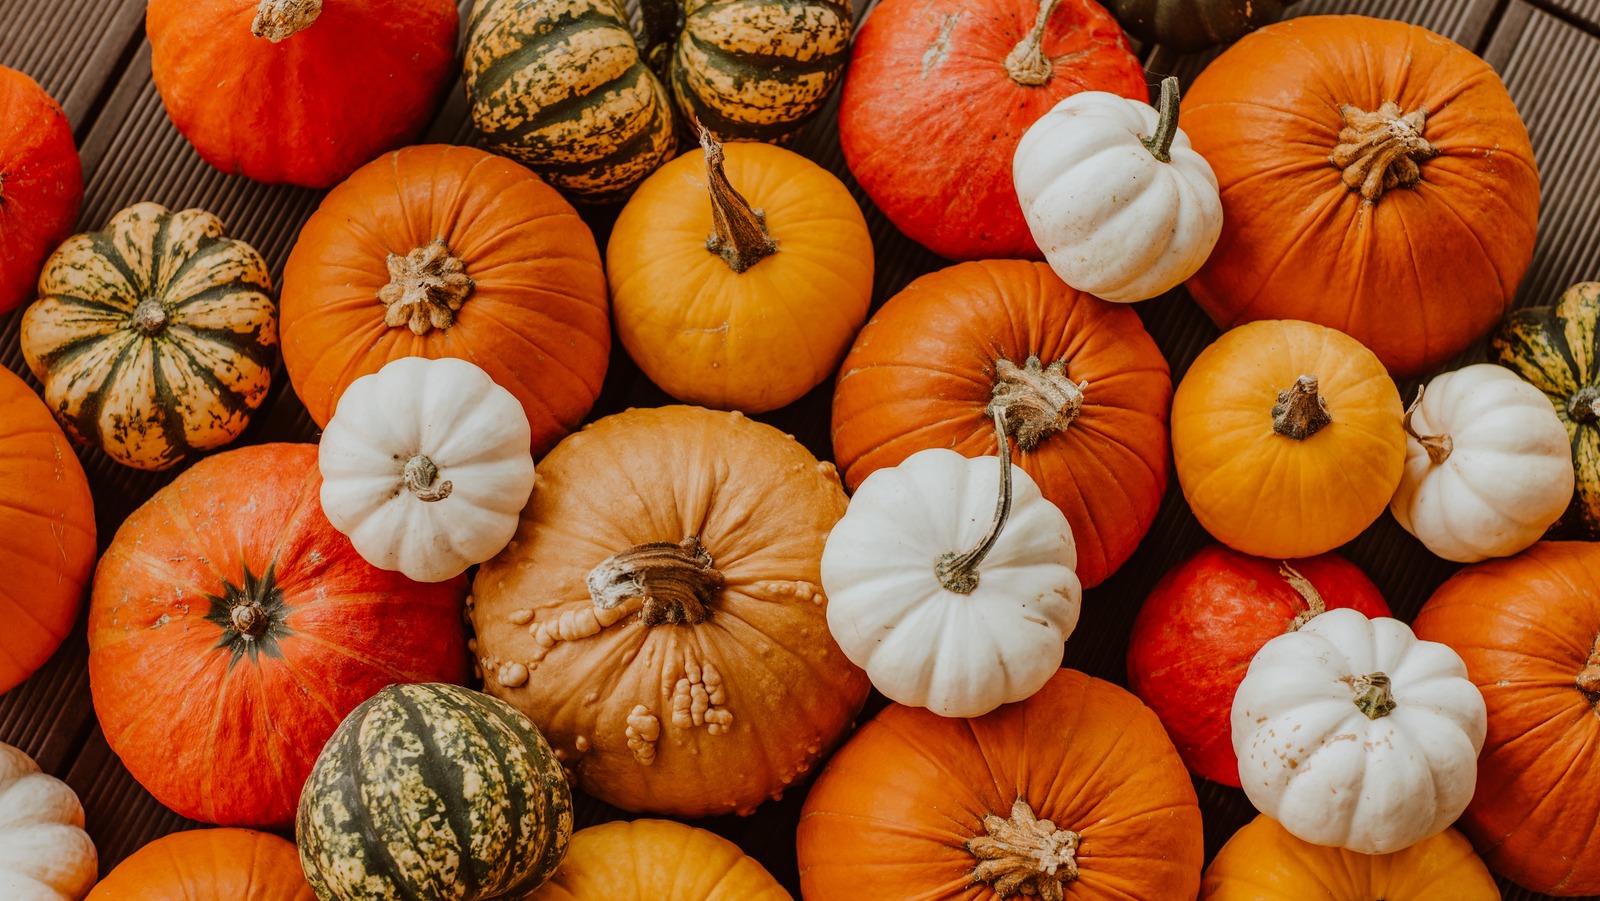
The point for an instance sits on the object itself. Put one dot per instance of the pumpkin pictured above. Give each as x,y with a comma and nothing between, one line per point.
666,573
231,628
1075,793
1511,475
209,865
47,533
155,339
939,93
1353,733
433,791
425,467
749,301
1263,862
1555,349
1383,185
41,183
1287,438
657,859
1122,206
440,251
1185,26
44,853
300,91
1206,618
1083,388
1527,628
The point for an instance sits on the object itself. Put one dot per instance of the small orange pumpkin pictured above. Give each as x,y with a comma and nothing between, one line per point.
209,865
657,859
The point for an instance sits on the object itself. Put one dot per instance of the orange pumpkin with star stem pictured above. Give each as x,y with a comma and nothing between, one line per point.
209,865
41,183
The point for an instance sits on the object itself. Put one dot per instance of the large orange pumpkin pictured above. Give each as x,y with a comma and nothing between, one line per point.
439,251
1375,178
209,865
41,183
1084,389
1075,793
1528,628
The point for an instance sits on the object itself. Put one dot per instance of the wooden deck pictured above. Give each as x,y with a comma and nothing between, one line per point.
92,56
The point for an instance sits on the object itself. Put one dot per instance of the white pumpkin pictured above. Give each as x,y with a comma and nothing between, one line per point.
945,601
1352,733
44,853
1113,193
425,466
1488,465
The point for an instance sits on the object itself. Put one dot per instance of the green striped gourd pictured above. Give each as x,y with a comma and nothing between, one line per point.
433,791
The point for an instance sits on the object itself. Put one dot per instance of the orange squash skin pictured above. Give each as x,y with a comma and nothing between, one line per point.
647,860
41,183
209,865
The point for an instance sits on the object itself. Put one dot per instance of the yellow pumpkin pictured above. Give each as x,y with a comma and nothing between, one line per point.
739,275
1287,438
657,859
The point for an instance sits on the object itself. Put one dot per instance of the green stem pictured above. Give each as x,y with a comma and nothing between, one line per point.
959,572
1160,143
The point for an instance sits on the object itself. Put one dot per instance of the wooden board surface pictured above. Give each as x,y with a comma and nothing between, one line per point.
91,55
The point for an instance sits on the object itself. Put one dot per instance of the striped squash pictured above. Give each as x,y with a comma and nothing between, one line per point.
155,338
430,790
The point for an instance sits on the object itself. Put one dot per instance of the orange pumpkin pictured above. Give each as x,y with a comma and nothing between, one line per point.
1380,183
657,859
42,185
1287,438
209,865
1084,390
439,251
1075,793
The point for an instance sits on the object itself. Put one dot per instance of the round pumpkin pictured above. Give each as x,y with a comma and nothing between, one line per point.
1075,793
657,859
1528,628
44,853
300,91
209,865
231,628
439,251
1205,620
1185,26
728,307
1382,185
1287,438
155,339
1083,388
1263,862
938,95
667,574
41,183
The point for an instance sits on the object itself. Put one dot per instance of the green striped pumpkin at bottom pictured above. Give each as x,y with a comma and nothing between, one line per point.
433,791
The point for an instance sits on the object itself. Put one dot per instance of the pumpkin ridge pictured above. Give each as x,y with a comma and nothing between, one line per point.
105,248
453,775
89,409
209,246
360,812
490,75
575,111
172,421
1483,252
751,59
517,797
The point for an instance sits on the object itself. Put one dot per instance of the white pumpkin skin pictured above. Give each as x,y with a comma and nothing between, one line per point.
1504,472
1112,219
44,853
472,432
922,644
1312,760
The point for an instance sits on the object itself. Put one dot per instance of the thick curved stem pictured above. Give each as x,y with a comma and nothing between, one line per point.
739,233
1584,405
959,572
150,317
426,288
1027,63
1160,143
674,582
279,19
1373,697
1308,592
1024,855
1300,412
1383,150
1437,446
1034,401
421,478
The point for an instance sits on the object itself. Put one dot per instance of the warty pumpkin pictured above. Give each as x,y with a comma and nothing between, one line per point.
658,614
1185,26
231,628
439,251
209,865
155,339
648,859
44,853
300,91
1383,186
41,183
1083,388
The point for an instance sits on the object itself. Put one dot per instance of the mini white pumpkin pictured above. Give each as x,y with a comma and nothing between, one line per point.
44,853
947,601
425,466
1113,193
1354,734
1488,465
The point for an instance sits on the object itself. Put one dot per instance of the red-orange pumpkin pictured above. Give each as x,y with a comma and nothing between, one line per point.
209,865
231,628
41,183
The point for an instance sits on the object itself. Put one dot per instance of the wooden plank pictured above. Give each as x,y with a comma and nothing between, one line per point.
1584,14
119,814
73,48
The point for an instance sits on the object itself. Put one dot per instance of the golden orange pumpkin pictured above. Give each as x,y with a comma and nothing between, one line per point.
657,859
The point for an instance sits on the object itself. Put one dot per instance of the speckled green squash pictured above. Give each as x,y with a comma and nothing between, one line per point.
430,791
155,338
1555,348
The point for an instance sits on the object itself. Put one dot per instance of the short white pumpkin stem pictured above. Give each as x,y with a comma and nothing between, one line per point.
421,478
1160,143
1027,63
1437,446
1024,855
1315,606
959,572
1373,696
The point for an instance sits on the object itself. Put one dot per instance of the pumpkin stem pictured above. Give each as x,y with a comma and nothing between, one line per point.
1381,151
249,620
1589,676
1308,592
1300,412
740,235
1035,401
278,19
675,581
1584,405
1026,63
1437,446
1024,855
150,317
959,572
426,288
420,474
1160,143
1372,695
